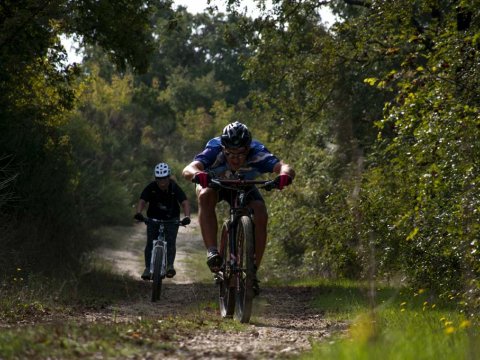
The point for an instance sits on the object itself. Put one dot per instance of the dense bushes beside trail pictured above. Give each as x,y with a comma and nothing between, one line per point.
49,205
382,118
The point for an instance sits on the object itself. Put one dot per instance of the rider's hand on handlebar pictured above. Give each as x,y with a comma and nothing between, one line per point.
203,178
282,181
185,221
139,217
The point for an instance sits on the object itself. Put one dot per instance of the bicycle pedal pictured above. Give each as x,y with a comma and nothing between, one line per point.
218,278
171,273
146,275
214,262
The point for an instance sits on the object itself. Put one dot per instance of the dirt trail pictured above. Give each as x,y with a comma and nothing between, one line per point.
283,322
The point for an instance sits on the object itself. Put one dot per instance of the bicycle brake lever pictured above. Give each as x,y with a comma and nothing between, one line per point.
214,185
269,186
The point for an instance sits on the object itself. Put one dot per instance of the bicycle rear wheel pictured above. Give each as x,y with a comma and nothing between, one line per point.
226,288
157,276
246,263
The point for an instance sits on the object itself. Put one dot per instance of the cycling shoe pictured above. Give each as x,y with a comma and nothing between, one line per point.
146,274
214,261
170,272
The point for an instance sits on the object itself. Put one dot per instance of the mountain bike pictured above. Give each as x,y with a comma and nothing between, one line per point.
237,248
158,262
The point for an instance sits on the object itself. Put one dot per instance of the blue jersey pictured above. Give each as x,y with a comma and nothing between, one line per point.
259,160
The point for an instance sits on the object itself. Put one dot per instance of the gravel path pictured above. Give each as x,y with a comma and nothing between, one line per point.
283,323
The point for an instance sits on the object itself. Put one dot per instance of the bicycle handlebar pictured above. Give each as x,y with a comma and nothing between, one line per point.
157,221
239,183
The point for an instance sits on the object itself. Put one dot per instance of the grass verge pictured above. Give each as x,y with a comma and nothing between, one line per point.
43,318
393,324
141,338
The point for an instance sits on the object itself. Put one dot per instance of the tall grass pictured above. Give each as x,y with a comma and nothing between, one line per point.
402,325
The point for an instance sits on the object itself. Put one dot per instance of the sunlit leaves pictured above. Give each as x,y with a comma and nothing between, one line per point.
419,197
370,81
433,150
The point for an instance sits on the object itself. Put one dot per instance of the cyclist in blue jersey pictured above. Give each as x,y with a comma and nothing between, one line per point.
231,154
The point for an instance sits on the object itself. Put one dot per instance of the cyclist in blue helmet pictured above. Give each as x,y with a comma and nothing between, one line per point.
233,153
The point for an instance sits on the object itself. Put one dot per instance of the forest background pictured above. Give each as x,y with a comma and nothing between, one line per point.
378,114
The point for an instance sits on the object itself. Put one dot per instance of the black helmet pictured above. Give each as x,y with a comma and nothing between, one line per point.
236,135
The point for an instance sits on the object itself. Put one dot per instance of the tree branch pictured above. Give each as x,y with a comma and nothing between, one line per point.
364,3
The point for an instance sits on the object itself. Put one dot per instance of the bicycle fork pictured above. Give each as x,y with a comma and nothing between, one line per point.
162,244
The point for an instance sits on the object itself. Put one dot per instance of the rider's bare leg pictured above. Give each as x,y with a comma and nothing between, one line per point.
207,217
260,217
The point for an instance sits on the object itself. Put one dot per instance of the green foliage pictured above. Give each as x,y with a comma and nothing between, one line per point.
313,99
166,114
44,205
184,93
104,23
382,112
425,164
404,326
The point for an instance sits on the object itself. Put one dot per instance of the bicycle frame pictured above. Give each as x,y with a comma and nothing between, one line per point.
238,207
237,210
158,264
238,269
159,242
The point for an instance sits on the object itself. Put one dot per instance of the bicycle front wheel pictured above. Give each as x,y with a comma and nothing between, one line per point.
226,288
157,273
246,273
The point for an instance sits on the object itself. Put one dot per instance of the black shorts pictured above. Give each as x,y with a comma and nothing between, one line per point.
228,195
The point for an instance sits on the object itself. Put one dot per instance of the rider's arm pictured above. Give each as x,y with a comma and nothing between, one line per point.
186,208
282,168
191,169
141,205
